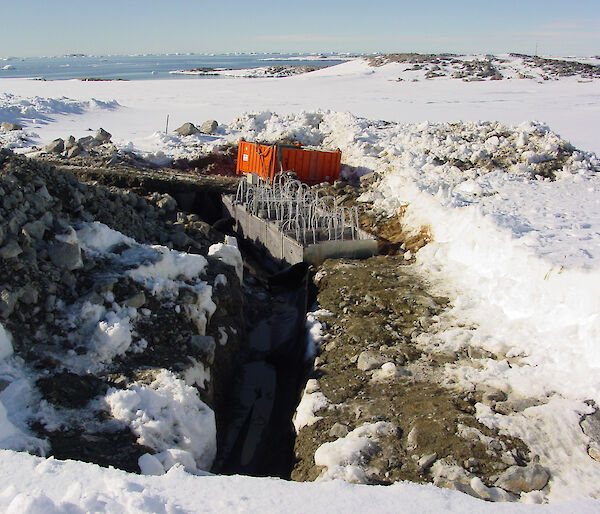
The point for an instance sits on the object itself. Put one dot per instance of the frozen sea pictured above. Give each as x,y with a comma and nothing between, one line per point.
143,67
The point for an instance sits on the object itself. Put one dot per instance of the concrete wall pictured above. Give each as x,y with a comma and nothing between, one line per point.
281,247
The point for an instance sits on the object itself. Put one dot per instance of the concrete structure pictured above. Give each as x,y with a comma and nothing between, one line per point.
282,246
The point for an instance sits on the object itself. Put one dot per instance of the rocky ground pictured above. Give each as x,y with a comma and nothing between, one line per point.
50,286
378,407
490,68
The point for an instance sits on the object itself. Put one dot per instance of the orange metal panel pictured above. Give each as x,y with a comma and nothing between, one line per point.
311,166
255,158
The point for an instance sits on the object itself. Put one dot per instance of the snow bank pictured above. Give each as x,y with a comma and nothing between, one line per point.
18,109
47,486
169,417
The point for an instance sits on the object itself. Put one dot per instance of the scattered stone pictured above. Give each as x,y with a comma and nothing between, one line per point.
9,127
187,129
412,438
209,127
590,424
426,461
167,202
56,146
369,360
102,136
65,255
338,430
88,142
8,300
10,250
594,451
74,151
35,229
518,479
136,301
70,142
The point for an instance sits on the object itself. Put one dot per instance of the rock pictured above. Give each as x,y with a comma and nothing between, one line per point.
102,136
594,451
209,127
74,151
66,255
590,425
56,146
2,234
369,360
29,295
8,300
88,142
8,126
411,438
70,143
10,250
492,397
180,239
523,479
426,461
35,229
338,430
187,129
136,301
167,202
206,345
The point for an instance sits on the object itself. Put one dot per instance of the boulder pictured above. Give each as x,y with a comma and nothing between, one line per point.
368,360
8,126
56,146
102,136
518,479
187,129
74,151
70,143
88,142
209,127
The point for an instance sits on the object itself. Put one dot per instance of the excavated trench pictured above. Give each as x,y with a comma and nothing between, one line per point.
254,414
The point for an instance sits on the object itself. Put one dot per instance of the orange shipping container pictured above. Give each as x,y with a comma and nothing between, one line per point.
311,166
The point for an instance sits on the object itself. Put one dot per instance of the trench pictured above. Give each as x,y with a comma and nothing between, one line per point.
255,434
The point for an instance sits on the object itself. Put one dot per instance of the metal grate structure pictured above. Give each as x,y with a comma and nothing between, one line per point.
298,211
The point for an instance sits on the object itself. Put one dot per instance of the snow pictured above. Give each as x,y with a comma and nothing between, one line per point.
312,401
517,254
168,417
230,255
347,458
6,348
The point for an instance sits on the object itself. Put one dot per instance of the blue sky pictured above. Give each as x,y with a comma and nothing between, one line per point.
42,27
